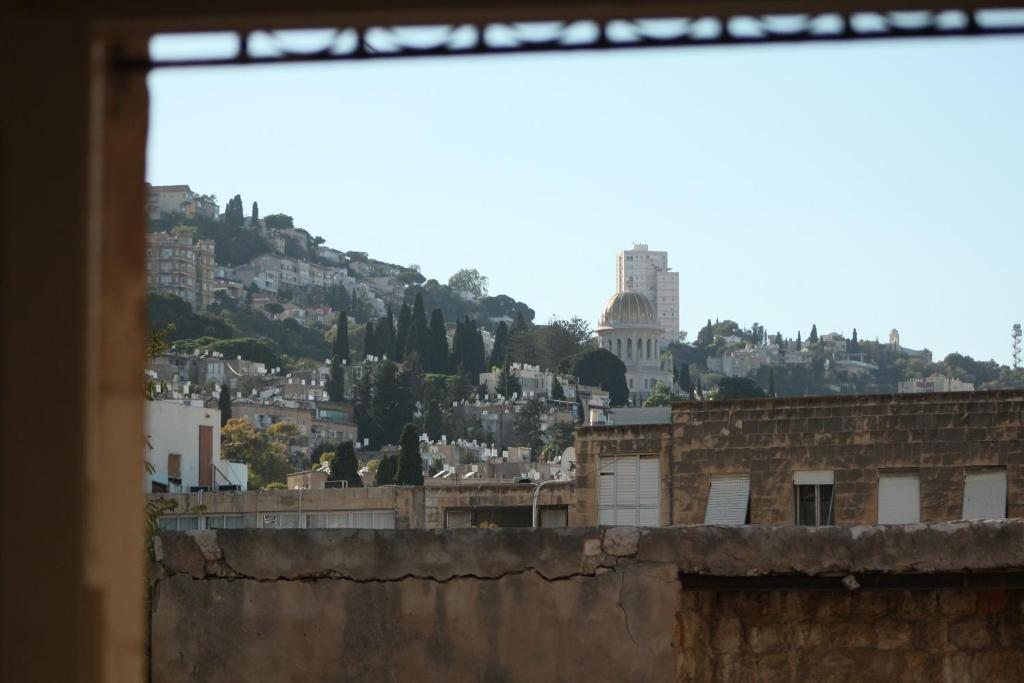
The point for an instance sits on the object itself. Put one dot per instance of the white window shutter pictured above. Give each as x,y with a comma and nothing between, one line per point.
728,500
985,495
899,499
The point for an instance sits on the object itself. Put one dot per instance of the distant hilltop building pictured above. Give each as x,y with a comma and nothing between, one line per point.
629,328
179,199
934,384
894,344
644,271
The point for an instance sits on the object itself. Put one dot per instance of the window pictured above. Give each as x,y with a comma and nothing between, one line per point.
282,520
179,523
814,498
985,494
629,491
361,519
728,500
230,522
551,518
648,349
629,348
899,499
618,352
458,519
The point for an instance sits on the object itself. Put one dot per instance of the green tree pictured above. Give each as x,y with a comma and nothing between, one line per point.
369,341
402,333
386,335
255,214
266,457
233,213
508,383
469,280
436,359
738,387
683,379
500,348
386,471
433,421
812,338
339,355
557,392
528,426
345,466
602,368
224,403
410,464
799,343
417,340
362,408
854,345
660,396
279,221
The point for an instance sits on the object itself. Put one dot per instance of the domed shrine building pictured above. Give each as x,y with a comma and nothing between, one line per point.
629,328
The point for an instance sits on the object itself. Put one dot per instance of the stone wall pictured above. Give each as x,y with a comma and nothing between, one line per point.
686,603
935,435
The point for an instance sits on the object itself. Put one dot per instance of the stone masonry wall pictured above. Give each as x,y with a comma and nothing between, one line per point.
593,442
937,435
687,603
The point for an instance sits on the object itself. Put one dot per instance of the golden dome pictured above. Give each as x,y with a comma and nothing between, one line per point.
628,308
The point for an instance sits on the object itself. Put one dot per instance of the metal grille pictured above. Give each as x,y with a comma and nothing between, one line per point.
388,42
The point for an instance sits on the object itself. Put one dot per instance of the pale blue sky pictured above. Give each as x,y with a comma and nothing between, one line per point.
868,185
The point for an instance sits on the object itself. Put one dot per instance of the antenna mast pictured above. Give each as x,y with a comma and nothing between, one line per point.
1015,334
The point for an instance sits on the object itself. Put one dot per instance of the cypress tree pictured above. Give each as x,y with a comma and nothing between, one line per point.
475,351
224,403
369,342
799,344
437,347
557,393
255,214
339,355
508,384
340,350
386,471
458,355
402,334
345,466
410,465
778,340
432,422
500,349
385,332
812,338
683,379
418,331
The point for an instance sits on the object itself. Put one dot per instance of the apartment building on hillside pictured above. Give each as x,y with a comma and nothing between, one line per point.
641,270
179,265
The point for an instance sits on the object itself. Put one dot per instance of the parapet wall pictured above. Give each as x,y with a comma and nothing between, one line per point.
939,602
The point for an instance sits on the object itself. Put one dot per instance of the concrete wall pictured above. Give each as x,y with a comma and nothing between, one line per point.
686,603
935,436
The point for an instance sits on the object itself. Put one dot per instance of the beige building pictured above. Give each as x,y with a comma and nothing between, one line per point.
162,200
641,270
374,507
178,265
934,383
819,461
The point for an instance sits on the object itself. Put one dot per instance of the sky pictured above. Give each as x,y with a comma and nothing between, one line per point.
872,185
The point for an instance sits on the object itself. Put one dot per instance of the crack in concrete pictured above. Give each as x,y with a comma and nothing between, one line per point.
625,614
337,576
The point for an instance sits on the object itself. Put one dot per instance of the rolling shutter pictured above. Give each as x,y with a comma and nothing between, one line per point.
985,495
728,500
899,499
629,491
458,519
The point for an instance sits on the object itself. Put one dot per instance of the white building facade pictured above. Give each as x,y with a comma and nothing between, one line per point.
641,270
183,450
629,328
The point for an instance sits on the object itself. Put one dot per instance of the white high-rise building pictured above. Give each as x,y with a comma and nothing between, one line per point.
641,270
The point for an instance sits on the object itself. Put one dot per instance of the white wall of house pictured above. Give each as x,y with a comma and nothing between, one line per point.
174,428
